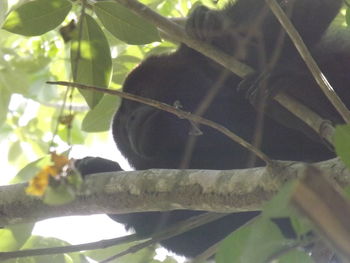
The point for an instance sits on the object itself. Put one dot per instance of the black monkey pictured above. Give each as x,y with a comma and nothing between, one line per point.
150,138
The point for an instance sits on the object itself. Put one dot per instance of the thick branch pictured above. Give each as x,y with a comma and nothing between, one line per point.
161,190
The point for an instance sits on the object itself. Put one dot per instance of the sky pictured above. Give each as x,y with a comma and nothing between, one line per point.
73,229
79,229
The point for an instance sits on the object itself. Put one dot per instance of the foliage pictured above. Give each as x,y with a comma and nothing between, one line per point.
37,241
34,116
342,143
43,40
264,236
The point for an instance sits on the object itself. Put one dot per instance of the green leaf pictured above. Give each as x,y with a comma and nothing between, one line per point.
262,237
37,17
14,151
5,97
13,237
99,118
21,232
278,205
125,59
342,143
167,7
74,134
60,195
295,256
125,25
93,64
8,241
300,226
44,242
347,16
30,170
10,80
5,131
3,10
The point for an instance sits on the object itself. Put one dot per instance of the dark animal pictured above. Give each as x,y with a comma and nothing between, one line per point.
150,138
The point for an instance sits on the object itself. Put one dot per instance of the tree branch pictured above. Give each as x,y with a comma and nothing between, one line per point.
321,126
176,229
174,110
177,33
163,190
69,249
309,60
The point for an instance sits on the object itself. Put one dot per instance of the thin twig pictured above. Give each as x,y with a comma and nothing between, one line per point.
69,249
169,232
171,109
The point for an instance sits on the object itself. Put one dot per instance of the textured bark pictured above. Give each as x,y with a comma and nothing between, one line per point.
151,190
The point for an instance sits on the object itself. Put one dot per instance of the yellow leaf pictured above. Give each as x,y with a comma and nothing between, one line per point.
38,185
59,160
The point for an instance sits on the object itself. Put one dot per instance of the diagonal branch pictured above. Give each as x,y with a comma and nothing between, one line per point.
309,61
174,110
169,27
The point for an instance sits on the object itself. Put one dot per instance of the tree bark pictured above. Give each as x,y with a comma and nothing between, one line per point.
161,190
